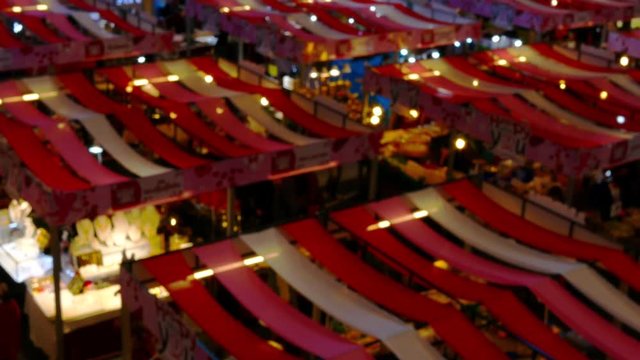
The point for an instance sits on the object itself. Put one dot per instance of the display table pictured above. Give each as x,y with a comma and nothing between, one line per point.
79,311
20,265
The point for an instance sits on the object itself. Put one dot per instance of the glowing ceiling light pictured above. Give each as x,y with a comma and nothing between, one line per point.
435,55
30,97
502,62
383,224
225,10
208,79
173,221
377,110
17,27
253,260
142,59
604,95
173,115
16,9
140,82
620,119
624,60
313,18
495,38
96,150
173,78
456,43
264,101
460,143
413,76
562,84
404,52
436,73
411,60
202,274
419,214
554,3
42,7
517,43
374,120
608,173
351,21
334,72
522,59
414,113
372,8
475,82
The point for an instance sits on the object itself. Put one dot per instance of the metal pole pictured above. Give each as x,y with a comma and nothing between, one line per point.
230,212
57,269
373,179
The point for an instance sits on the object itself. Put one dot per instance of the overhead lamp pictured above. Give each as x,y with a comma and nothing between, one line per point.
608,173
16,9
414,113
351,21
411,60
141,59
435,55
604,95
475,82
456,43
624,60
383,224
202,274
522,59
436,72
502,62
495,38
140,82
173,115
554,3
173,78
253,260
372,8
225,10
404,52
17,27
313,18
264,101
413,76
173,221
562,84
30,97
469,40
620,119
219,110
377,110
96,150
208,79
460,143
517,43
374,120
419,214
334,72
441,264
129,89
42,7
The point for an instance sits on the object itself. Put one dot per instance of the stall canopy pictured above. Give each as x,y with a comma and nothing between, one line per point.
405,214
569,309
267,306
530,102
38,34
307,32
117,142
544,15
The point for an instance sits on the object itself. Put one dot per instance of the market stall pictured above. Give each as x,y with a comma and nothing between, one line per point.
36,35
100,156
528,102
466,278
324,31
542,16
625,43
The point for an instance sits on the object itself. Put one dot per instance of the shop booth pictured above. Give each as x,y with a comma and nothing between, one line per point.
89,159
353,286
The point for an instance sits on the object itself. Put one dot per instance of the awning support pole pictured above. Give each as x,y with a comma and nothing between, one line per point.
57,269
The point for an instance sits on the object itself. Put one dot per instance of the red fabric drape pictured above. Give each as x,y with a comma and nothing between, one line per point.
184,118
570,310
267,306
41,161
531,234
502,304
172,271
276,98
448,323
134,119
